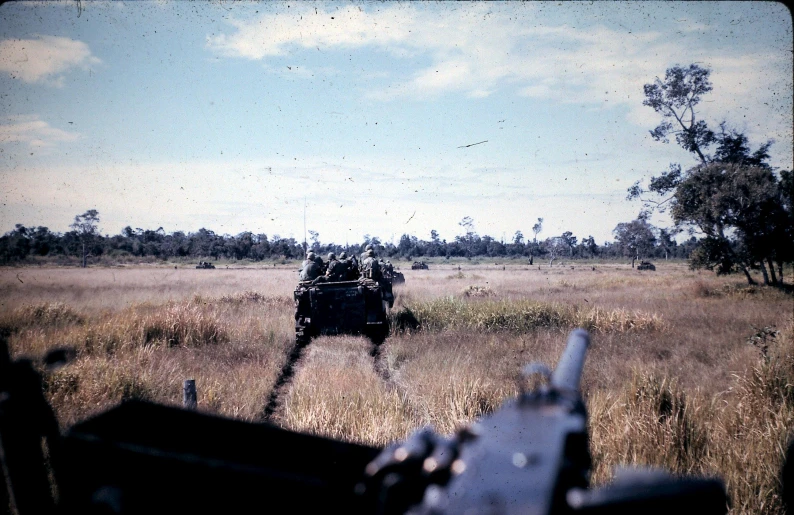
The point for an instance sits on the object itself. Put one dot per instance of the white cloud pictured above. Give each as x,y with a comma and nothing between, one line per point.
45,59
308,27
478,49
34,132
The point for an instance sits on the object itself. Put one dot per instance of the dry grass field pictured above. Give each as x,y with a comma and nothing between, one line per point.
688,371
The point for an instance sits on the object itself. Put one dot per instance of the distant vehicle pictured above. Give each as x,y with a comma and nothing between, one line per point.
419,265
646,265
397,278
205,264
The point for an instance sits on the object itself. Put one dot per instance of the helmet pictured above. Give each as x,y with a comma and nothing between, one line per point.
331,256
368,247
343,255
310,256
318,260
369,253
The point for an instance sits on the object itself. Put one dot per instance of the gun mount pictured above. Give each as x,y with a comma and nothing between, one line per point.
531,456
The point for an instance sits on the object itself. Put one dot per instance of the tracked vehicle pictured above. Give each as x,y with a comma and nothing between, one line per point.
359,306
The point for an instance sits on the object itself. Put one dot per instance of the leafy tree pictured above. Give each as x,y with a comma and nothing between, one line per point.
570,241
468,227
635,238
739,210
86,226
666,241
590,246
734,148
314,236
733,196
537,228
675,98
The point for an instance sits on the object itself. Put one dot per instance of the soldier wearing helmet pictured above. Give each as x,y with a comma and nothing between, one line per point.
364,254
311,267
335,271
344,267
309,257
370,267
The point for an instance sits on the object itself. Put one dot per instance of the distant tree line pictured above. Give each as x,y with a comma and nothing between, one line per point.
636,239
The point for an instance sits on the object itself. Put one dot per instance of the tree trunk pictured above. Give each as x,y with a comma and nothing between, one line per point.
763,272
772,270
750,280
780,271
84,256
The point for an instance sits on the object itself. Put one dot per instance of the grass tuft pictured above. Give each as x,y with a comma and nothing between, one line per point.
44,314
478,291
523,316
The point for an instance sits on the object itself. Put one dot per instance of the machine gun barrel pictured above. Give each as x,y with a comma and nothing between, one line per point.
568,373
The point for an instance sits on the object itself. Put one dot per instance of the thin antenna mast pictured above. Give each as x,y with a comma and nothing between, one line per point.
305,245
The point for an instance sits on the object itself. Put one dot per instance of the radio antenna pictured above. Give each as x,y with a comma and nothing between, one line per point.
305,245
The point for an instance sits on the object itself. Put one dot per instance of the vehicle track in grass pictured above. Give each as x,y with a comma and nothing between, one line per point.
284,380
379,363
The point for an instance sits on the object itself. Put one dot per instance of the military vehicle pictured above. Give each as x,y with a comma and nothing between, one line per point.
646,265
419,265
397,278
205,264
359,306
390,274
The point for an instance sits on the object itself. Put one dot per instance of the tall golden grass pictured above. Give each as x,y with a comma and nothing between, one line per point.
676,377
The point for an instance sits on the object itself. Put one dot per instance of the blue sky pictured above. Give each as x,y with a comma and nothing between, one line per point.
231,115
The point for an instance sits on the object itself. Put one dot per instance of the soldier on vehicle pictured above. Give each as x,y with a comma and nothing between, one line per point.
353,268
370,267
344,266
335,271
364,254
309,257
387,267
311,269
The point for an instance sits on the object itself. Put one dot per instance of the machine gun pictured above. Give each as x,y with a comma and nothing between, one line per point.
531,456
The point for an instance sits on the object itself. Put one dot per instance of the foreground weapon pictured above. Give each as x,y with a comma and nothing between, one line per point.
530,456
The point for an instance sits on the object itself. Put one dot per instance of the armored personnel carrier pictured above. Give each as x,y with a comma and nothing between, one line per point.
419,265
205,264
359,306
397,278
646,265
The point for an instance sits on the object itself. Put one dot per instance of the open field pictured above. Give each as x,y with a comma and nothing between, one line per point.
671,379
